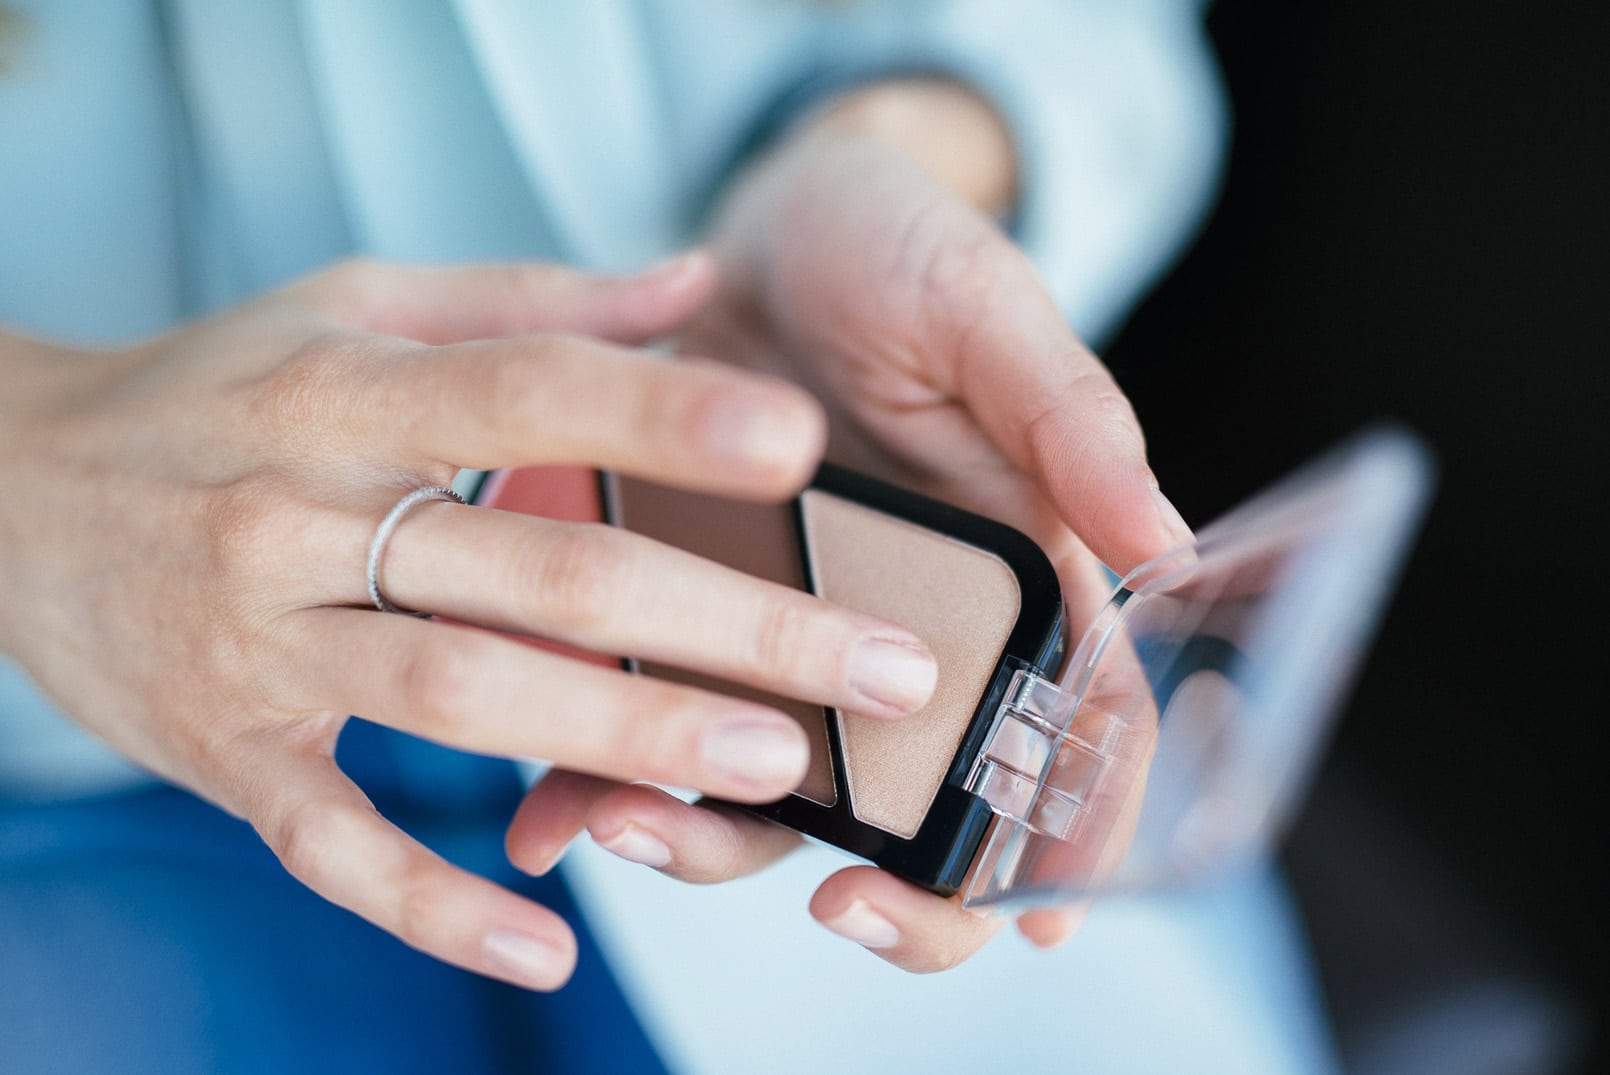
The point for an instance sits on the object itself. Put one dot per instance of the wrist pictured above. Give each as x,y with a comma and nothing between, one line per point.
40,383
27,373
38,379
942,125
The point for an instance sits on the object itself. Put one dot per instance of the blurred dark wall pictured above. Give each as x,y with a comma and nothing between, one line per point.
1416,225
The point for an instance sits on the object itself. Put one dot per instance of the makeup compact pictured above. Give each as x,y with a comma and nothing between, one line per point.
981,595
1174,737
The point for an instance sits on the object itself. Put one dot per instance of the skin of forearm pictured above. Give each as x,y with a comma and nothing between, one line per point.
25,379
35,376
39,383
943,125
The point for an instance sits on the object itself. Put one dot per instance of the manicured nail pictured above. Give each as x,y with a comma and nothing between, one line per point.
894,674
533,962
638,845
766,752
866,927
539,864
1171,519
754,435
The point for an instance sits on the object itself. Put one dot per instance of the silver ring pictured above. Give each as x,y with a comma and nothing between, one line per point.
387,527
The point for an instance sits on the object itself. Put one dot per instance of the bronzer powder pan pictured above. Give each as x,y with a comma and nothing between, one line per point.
757,539
981,595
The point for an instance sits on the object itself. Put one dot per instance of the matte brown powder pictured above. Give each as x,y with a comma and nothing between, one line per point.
757,539
958,598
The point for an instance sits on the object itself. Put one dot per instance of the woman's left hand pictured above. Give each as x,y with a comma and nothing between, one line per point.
859,260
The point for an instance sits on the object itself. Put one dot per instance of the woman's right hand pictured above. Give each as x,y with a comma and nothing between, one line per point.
186,573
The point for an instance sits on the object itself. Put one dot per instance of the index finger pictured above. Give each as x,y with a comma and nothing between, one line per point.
555,399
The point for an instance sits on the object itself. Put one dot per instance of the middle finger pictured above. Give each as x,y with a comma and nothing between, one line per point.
616,592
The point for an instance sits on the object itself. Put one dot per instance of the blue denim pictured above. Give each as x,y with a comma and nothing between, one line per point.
150,932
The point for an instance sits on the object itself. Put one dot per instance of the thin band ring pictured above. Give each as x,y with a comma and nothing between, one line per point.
387,527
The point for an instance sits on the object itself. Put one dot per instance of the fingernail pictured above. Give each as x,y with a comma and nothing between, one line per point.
638,845
769,753
894,674
538,865
533,962
866,927
1171,519
753,434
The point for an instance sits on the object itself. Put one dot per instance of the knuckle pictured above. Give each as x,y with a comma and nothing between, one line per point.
781,636
1060,442
1054,443
435,472
655,407
243,524
935,954
524,377
440,681
959,275
264,544
254,532
216,751
938,962
578,577
667,407
962,266
1109,409
421,902
657,740
724,857
302,397
313,838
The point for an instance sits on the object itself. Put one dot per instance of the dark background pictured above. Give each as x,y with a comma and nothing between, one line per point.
1416,225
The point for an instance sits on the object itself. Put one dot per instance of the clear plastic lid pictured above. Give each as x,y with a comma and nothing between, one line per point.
1187,719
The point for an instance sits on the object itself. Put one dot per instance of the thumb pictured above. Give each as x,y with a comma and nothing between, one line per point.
451,304
1056,412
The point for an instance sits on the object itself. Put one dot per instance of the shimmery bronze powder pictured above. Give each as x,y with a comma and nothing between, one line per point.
958,598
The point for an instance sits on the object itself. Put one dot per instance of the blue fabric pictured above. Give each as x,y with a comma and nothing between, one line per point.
193,951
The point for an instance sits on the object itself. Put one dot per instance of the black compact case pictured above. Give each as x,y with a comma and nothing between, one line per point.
773,541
